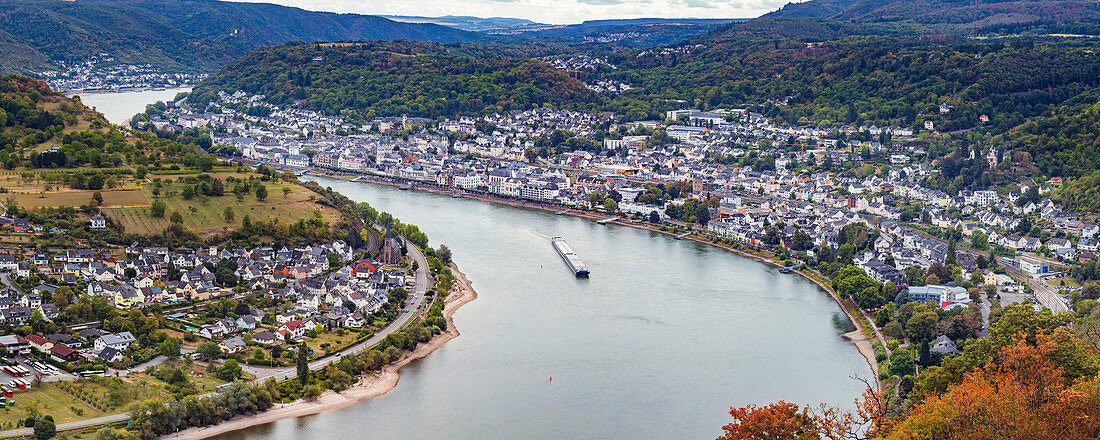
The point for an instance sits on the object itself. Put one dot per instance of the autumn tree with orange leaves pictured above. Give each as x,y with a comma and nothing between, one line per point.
1020,393
784,420
780,420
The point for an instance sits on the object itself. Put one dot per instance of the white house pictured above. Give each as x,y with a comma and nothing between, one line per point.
98,222
118,341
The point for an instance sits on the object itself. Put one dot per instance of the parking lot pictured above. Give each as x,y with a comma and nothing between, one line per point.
49,372
1008,298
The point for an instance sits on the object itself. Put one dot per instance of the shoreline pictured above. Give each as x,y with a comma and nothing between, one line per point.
367,387
856,337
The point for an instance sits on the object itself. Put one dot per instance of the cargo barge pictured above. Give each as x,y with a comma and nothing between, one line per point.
571,259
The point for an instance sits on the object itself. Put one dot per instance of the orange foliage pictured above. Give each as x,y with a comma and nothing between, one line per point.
777,421
784,420
1019,395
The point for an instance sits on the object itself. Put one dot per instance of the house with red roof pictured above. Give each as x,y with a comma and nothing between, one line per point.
296,329
62,353
40,343
363,269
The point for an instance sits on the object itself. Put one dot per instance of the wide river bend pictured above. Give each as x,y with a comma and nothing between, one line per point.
663,338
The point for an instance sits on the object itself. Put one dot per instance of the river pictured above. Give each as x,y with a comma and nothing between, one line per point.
118,107
663,338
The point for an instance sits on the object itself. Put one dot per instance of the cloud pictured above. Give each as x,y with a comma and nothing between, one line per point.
546,11
699,4
607,2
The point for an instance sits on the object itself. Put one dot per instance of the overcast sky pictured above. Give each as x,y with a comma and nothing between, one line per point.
546,11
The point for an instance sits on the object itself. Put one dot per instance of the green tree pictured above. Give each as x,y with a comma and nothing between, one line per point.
609,205
921,325
209,350
846,252
979,240
303,363
893,330
901,363
230,371
157,208
228,214
444,254
170,347
261,192
45,428
702,214
312,391
801,241
177,218
286,191
925,356
109,433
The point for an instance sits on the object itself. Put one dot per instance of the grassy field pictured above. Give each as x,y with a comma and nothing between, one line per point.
111,198
1065,281
83,399
47,399
204,382
207,218
334,341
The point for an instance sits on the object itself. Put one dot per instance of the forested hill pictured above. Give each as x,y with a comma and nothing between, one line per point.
31,115
368,79
898,81
958,17
40,128
180,35
1065,143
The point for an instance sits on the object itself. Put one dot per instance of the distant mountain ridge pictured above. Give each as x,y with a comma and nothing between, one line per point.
184,35
503,25
958,17
630,32
623,33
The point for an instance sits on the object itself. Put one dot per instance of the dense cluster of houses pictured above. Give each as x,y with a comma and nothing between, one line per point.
17,307
343,296
101,72
458,153
143,276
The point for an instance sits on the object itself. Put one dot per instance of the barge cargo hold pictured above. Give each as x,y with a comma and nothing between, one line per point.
571,259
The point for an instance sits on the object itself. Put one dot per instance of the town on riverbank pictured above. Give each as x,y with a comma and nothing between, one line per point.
277,297
857,209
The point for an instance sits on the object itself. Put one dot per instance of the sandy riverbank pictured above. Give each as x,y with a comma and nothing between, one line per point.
862,343
368,386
